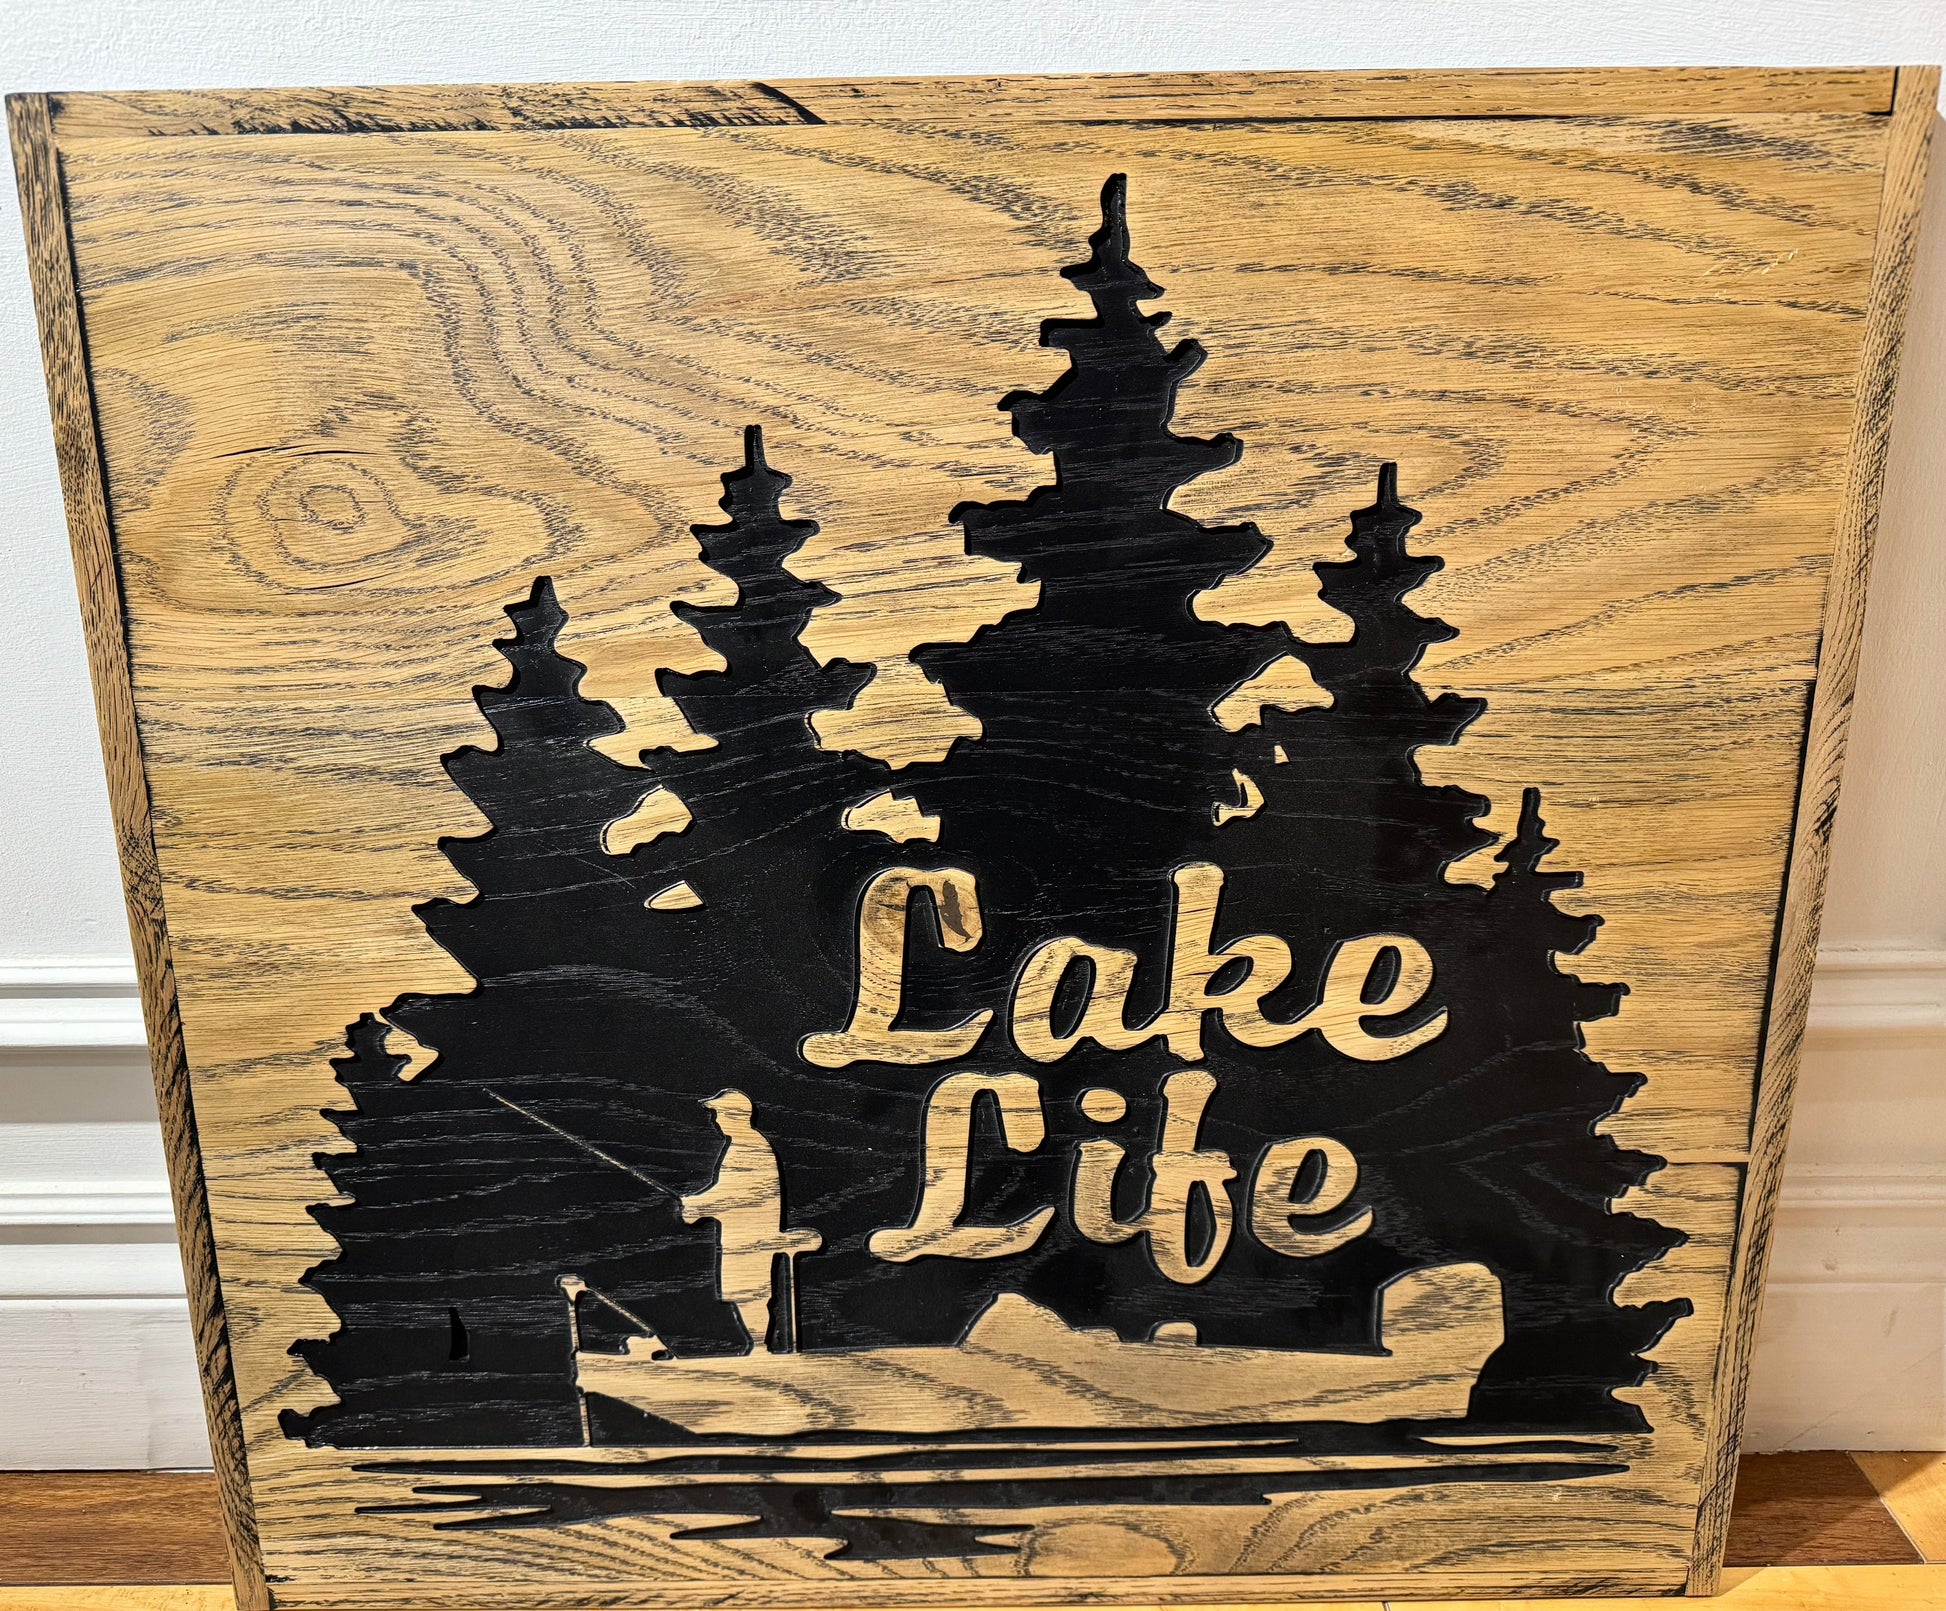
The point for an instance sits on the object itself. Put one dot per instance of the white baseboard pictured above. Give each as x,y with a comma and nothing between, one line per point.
85,1202
96,1367
62,1003
1852,1352
99,1384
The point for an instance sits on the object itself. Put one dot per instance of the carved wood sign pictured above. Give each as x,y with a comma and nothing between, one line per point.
971,842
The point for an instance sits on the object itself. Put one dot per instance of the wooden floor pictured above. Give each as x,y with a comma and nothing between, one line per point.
1809,1532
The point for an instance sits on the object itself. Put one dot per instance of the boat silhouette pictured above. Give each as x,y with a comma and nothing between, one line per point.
1021,1366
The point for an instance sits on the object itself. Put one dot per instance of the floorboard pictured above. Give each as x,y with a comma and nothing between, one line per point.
1808,1532
1814,1509
1770,1588
111,1527
1913,1487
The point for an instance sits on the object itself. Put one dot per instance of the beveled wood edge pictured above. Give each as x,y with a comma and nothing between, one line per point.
1092,98
1013,1593
1893,252
78,450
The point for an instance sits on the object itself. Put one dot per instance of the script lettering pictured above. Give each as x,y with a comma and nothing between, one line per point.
881,973
1101,1020
936,1230
1177,1170
1275,1208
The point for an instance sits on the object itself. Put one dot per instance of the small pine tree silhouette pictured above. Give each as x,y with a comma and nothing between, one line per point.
369,1073
1357,755
549,797
1515,1073
767,799
757,705
468,1201
561,1118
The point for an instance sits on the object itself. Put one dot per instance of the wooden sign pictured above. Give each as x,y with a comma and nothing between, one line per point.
975,842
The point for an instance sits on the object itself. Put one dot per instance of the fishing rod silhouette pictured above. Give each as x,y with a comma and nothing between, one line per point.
588,1146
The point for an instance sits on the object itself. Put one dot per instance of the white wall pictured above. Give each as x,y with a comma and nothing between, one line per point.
90,1307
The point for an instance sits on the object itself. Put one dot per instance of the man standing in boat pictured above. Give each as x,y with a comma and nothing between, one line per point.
746,1200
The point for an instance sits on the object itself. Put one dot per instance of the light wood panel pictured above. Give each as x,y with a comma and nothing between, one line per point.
357,388
115,1508
1774,1588
119,1597
1784,1588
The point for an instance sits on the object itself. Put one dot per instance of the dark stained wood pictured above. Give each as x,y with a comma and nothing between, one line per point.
1813,1509
111,1527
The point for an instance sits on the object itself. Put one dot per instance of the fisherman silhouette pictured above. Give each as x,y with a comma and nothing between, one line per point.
746,1200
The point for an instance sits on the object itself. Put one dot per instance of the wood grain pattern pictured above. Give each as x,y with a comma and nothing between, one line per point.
1895,247
1515,92
1801,1588
1072,98
111,1527
1774,1588
1811,1509
116,1597
399,109
357,388
77,449
1913,1487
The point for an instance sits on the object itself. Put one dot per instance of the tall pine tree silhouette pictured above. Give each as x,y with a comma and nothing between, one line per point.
1094,776
1097,745
562,1115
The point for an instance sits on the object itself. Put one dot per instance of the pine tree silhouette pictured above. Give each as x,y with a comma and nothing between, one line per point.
466,1206
1093,778
1482,1143
562,1115
1534,1175
1098,744
766,778
549,797
1352,778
